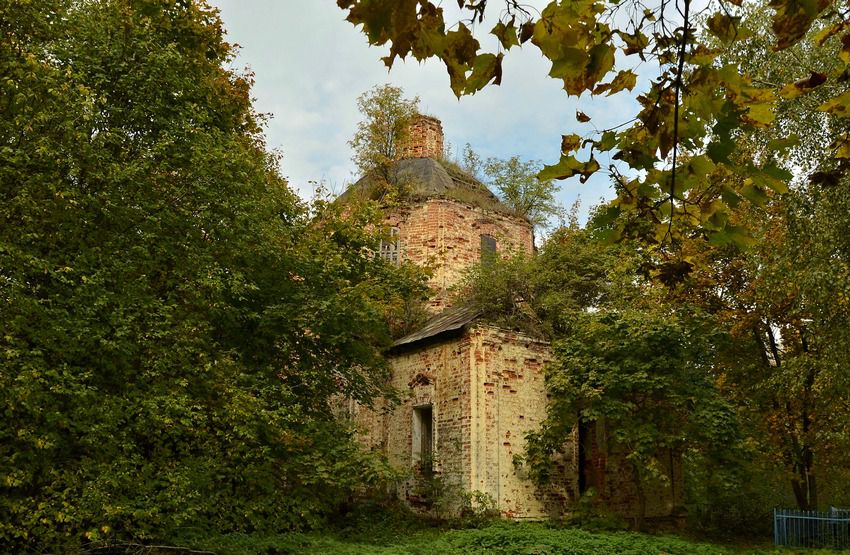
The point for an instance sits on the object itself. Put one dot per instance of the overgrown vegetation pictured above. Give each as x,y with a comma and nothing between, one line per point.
505,538
176,323
382,133
519,188
178,327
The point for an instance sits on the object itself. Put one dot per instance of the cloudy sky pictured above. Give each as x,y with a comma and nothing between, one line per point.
310,65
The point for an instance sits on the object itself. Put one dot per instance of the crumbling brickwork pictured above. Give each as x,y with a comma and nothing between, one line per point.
436,375
445,235
509,402
487,391
425,138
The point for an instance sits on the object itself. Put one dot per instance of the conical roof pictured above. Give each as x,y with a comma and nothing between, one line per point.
418,178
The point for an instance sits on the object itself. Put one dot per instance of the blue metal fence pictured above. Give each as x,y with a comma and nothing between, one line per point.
831,529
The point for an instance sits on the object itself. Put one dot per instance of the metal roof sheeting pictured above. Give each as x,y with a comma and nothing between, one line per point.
451,319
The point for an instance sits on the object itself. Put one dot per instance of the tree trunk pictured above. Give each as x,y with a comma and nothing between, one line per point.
641,495
805,486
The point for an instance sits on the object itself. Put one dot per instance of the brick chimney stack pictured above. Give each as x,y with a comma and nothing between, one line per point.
425,138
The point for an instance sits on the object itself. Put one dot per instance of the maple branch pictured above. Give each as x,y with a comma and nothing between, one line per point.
625,123
677,102
515,6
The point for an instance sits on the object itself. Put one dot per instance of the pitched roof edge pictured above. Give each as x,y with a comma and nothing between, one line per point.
450,320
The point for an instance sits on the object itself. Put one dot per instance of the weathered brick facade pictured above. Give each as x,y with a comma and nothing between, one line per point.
481,388
445,235
486,391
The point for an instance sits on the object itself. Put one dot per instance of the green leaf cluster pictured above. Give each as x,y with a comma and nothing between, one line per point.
520,188
698,104
383,132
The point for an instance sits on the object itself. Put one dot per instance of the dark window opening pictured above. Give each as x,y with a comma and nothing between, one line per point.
488,248
423,437
591,456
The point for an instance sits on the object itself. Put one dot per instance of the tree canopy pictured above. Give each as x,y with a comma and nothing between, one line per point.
517,184
382,132
176,322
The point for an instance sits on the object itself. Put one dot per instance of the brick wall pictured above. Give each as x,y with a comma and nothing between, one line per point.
425,138
486,390
510,401
435,374
445,235
612,476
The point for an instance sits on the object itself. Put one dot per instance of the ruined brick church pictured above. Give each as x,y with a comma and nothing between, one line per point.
471,391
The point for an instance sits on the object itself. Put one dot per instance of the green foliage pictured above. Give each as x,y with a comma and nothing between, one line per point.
768,286
381,134
503,538
176,324
591,516
505,292
697,105
517,184
781,298
735,501
804,67
781,301
471,162
381,519
642,373
477,509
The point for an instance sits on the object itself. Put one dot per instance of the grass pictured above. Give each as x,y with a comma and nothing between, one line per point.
507,538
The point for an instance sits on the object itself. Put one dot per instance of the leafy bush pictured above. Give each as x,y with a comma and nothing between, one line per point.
591,516
477,509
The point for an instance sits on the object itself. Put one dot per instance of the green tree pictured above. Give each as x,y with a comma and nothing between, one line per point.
518,186
782,302
642,375
381,135
627,358
780,296
471,162
627,355
175,323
